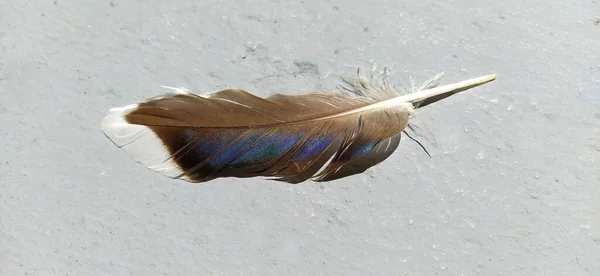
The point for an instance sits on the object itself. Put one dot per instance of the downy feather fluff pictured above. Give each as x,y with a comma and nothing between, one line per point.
291,138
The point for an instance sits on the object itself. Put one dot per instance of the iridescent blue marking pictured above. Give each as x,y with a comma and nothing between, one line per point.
267,149
204,144
234,149
313,147
358,148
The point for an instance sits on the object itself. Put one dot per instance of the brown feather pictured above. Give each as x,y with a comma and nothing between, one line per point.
232,133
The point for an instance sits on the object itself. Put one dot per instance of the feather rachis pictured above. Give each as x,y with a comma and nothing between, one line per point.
232,133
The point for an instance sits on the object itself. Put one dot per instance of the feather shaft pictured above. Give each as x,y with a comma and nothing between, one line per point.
427,94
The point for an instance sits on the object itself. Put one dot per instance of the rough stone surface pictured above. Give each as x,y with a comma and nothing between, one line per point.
513,187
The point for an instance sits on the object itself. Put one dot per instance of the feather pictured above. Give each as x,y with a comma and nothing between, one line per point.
290,138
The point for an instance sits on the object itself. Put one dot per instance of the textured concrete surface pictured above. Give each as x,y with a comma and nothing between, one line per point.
513,187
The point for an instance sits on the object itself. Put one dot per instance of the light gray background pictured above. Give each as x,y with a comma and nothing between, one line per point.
513,187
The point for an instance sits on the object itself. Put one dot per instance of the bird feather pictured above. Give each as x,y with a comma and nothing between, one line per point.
290,138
